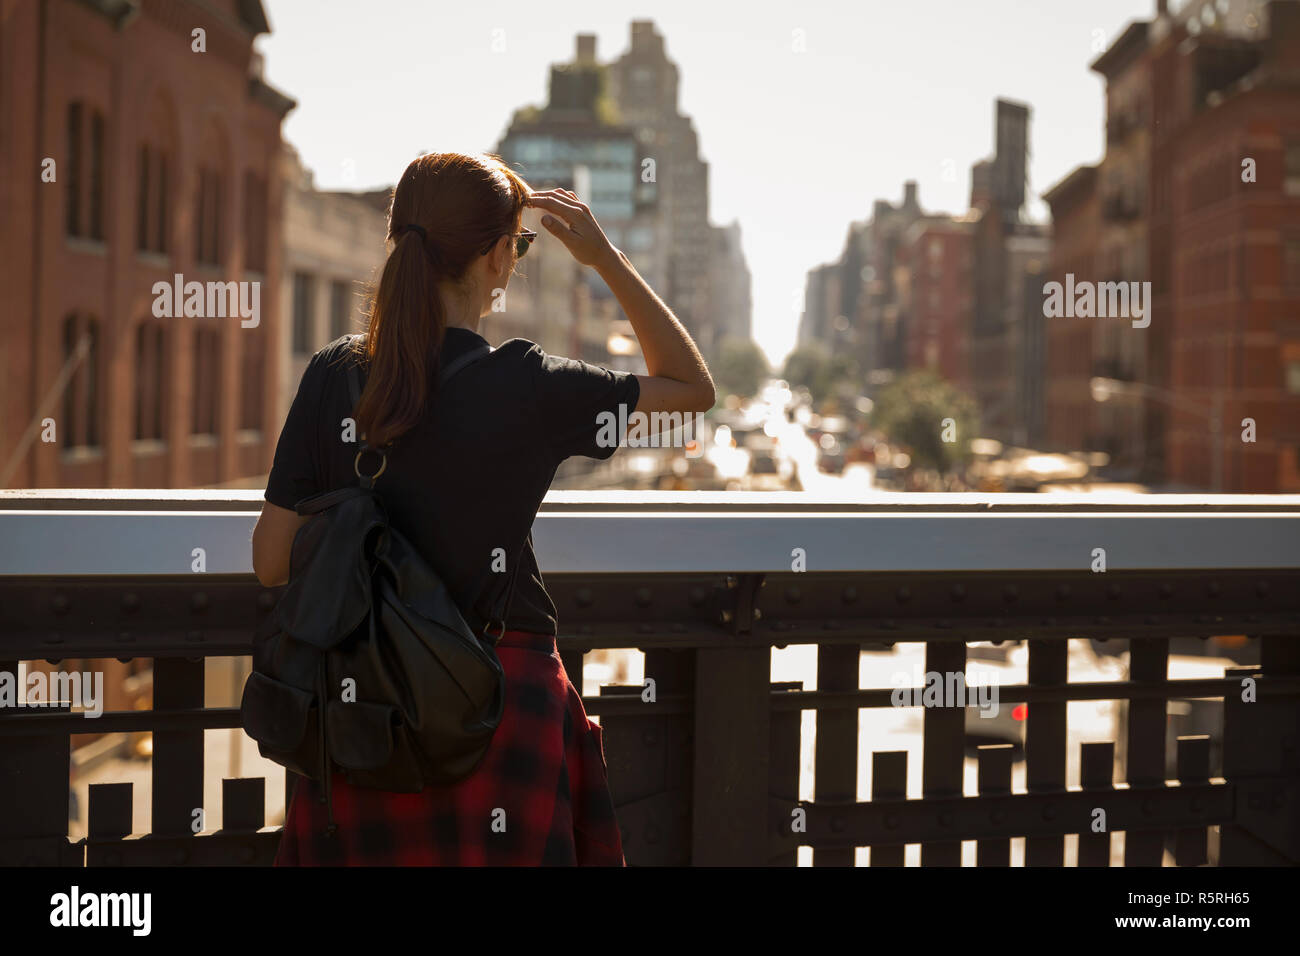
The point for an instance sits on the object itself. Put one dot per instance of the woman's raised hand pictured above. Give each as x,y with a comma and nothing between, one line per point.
570,221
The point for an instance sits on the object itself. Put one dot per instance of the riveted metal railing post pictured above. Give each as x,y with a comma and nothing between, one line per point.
177,754
1145,749
33,790
836,759
943,744
729,822
1261,759
1193,767
1045,745
783,784
994,774
1097,776
888,783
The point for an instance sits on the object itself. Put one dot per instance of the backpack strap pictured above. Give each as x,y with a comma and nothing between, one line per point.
500,620
354,392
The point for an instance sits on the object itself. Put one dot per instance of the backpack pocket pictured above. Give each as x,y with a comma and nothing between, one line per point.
360,733
282,719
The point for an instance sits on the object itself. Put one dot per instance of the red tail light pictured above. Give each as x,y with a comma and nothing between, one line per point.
1020,712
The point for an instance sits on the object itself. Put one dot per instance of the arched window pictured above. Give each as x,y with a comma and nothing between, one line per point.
151,199
80,427
207,238
150,380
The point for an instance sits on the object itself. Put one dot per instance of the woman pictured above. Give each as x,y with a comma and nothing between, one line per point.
465,475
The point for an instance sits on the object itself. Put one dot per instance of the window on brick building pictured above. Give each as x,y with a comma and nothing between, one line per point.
1291,264
151,232
72,172
207,365
207,221
340,309
255,223
303,306
80,427
1291,180
150,380
252,370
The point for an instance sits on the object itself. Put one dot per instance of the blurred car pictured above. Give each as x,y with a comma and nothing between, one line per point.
984,661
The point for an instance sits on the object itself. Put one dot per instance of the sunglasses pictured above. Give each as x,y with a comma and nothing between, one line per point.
522,241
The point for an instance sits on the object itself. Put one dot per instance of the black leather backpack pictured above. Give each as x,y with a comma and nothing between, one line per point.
366,663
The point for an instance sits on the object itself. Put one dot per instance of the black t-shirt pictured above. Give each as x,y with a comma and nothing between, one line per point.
464,485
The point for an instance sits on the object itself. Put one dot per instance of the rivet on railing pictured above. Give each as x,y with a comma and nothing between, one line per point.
60,603
1112,591
1049,812
891,821
650,737
583,597
945,818
957,592
199,601
837,824
698,596
903,595
1213,589
997,815
1010,593
1261,588
1062,592
850,595
265,601
130,601
643,597
1166,590
793,595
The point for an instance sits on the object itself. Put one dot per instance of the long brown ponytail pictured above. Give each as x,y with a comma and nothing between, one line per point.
455,205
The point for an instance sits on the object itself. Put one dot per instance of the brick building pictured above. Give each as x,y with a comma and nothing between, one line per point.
129,156
1193,99
936,297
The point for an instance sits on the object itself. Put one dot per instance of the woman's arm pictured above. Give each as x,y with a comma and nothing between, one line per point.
678,379
273,543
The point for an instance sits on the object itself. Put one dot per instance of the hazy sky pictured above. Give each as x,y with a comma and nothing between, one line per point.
799,143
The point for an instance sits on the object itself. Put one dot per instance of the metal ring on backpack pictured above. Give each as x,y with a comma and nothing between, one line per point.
383,463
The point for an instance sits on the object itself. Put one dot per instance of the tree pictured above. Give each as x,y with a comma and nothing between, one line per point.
930,417
742,367
824,373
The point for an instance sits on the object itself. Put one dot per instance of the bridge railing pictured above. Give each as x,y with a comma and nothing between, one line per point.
709,757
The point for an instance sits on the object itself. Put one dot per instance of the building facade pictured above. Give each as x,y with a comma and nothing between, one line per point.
334,251
139,144
1199,195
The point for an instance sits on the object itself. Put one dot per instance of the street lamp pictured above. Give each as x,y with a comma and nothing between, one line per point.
1103,389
